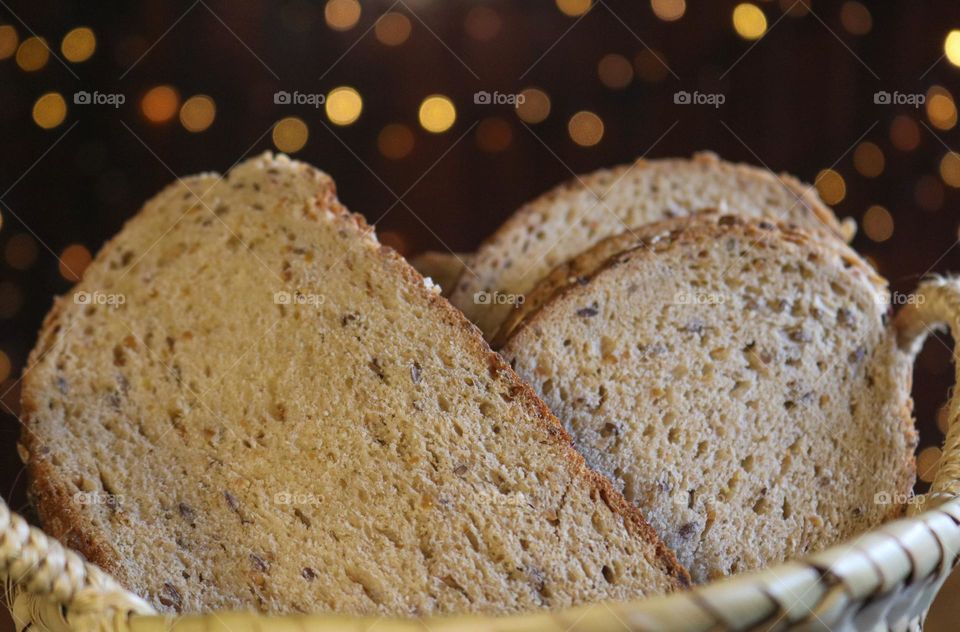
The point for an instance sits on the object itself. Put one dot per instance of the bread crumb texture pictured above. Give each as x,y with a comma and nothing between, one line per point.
248,403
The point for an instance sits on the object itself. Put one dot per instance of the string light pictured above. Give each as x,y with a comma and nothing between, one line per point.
669,10
197,113
950,169
878,224
392,29
437,113
395,141
160,104
535,107
615,71
343,105
8,41
831,186
951,47
33,54
342,15
483,23
49,110
290,134
868,160
78,45
941,110
904,133
585,128
574,8
856,18
494,135
74,261
749,21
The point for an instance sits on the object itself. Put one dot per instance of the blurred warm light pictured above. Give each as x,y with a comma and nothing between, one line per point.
904,133
20,251
878,223
49,110
5,366
535,107
941,110
79,44
8,41
74,261
197,113
342,15
290,134
856,18
483,23
868,160
615,71
395,141
33,54
437,113
574,7
11,299
749,21
343,105
160,104
494,135
669,10
392,28
831,186
585,128
951,47
929,193
650,65
943,419
394,239
927,463
950,168
795,8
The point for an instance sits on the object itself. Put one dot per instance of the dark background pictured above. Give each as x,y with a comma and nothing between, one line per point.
801,99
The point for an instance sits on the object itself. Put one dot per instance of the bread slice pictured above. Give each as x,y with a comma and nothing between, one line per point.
575,215
248,403
739,382
444,268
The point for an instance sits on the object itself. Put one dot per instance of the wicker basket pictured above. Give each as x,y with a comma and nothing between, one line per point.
885,579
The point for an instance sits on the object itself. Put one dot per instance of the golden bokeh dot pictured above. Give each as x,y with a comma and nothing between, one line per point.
669,10
951,47
392,28
651,66
585,128
197,113
20,251
395,141
343,105
795,8
33,54
831,185
868,160
74,261
535,107
290,134
941,109
49,110
5,366
856,18
928,462
494,135
79,44
483,23
437,113
574,8
8,41
943,419
878,223
749,21
615,71
904,133
950,169
342,15
160,104
11,299
929,193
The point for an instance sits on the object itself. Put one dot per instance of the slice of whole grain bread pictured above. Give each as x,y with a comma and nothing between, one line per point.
575,215
737,380
249,403
443,267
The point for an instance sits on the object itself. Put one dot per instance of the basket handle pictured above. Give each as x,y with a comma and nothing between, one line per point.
936,305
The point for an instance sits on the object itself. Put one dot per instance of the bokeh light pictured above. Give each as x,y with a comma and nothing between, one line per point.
941,109
392,29
160,104
437,113
868,160
878,224
483,23
928,462
5,366
585,128
535,107
749,21
574,8
342,15
290,134
33,54
8,41
343,105
651,66
615,71
11,299
951,47
494,135
395,141
904,133
198,113
21,251
74,261
49,110
856,18
831,186
79,44
669,10
950,169
928,193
